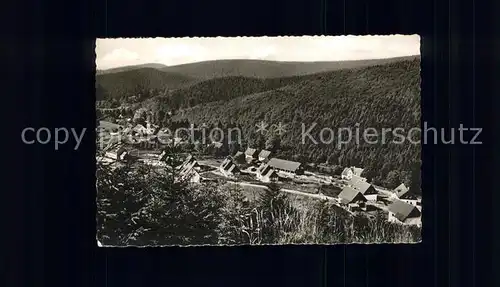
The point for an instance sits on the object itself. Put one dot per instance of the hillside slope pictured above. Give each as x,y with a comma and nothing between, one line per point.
385,96
222,89
268,69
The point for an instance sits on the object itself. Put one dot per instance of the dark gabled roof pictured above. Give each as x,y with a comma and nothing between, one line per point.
403,210
284,164
262,167
266,170
225,162
364,187
350,194
250,152
264,153
229,166
407,195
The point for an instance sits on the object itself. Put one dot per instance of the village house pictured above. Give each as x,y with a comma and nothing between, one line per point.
228,168
402,212
190,173
352,198
140,130
152,129
348,172
109,126
369,192
285,166
118,154
403,193
239,157
264,155
216,145
251,154
266,173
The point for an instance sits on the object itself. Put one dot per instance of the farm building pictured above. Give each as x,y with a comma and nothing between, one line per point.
228,168
348,172
286,166
251,154
266,173
350,195
402,212
190,160
365,188
264,155
403,193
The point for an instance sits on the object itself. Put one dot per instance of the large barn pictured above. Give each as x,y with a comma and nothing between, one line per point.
286,166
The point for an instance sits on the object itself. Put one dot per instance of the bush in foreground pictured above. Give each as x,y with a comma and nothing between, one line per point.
144,207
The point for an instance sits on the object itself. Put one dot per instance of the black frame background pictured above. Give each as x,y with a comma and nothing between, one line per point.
49,209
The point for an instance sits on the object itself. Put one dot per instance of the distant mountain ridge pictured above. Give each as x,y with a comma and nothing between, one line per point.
114,83
129,68
255,68
269,69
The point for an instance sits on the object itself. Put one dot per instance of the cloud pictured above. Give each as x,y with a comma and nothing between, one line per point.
179,53
121,54
175,51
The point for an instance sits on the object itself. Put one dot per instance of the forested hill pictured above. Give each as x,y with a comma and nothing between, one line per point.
137,81
130,68
384,96
268,69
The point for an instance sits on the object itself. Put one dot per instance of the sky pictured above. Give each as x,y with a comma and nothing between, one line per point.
111,53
